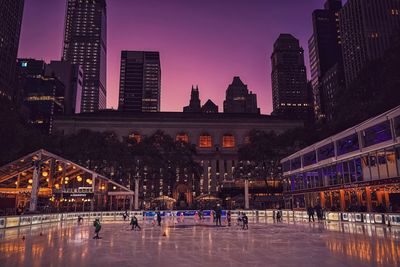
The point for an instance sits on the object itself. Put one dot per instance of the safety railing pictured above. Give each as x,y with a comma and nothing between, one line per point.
390,219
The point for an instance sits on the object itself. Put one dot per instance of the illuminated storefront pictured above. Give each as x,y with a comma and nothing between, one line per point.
355,170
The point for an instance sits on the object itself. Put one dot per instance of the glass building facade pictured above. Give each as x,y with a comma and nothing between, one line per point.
355,170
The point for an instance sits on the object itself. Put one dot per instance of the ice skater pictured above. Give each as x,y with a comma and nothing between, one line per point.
125,215
135,223
218,214
97,228
279,215
229,217
159,218
80,220
245,222
196,217
310,212
318,210
239,219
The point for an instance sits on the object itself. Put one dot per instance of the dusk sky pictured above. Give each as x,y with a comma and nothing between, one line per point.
203,43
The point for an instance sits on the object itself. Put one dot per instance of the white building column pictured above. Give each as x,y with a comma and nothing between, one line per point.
136,206
35,186
246,194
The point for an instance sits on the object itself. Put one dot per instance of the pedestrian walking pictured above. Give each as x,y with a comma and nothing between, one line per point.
229,217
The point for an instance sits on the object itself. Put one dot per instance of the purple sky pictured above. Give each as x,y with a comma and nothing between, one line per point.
203,42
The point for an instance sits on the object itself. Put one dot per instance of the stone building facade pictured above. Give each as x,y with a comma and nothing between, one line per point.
217,137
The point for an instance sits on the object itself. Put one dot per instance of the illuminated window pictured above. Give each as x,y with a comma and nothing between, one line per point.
182,137
205,140
228,141
135,136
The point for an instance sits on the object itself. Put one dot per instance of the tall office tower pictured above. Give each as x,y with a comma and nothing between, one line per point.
10,27
238,98
289,79
71,75
194,105
85,44
366,27
325,51
140,81
43,97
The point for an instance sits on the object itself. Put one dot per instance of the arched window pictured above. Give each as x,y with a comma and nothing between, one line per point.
205,141
135,136
183,137
228,141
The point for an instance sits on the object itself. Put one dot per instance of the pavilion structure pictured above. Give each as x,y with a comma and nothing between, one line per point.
44,182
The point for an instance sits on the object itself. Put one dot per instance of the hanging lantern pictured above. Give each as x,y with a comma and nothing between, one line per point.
30,181
79,178
89,181
66,179
57,186
59,168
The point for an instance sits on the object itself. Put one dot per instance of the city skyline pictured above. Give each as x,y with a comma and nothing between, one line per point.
186,54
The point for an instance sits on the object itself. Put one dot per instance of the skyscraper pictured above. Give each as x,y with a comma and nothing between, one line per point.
289,81
71,75
325,51
140,81
194,105
43,97
366,27
10,27
85,44
238,98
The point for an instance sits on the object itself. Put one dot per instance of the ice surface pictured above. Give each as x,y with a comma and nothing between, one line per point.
201,244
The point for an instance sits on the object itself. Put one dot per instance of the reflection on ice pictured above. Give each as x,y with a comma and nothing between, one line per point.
265,244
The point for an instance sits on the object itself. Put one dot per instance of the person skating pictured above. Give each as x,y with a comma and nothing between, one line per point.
135,223
310,212
97,228
229,217
279,215
245,222
159,218
125,215
239,219
218,214
80,219
318,210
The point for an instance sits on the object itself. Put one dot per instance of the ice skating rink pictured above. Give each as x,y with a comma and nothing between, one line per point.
201,244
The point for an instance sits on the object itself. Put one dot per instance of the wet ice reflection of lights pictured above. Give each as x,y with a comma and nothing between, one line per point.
294,244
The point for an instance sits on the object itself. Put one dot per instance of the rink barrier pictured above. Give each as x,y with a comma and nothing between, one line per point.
390,219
